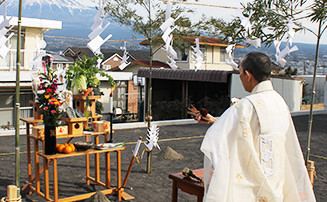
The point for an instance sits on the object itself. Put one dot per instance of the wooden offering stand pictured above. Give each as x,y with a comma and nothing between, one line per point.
80,102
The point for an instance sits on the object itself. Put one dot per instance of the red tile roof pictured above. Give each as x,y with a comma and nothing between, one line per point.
204,40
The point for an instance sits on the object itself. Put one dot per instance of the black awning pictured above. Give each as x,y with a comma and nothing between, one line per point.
186,75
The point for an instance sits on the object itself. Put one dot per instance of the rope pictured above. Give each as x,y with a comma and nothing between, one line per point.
82,39
163,140
218,6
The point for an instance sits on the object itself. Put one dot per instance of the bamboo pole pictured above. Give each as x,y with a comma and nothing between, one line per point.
149,111
17,105
307,157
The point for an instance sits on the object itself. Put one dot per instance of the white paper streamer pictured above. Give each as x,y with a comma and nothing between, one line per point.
229,60
168,27
124,62
4,49
96,40
291,32
137,147
280,55
152,137
256,42
197,55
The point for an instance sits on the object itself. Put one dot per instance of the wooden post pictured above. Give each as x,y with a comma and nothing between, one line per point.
149,158
311,171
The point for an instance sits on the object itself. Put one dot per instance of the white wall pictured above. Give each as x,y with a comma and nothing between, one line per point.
290,90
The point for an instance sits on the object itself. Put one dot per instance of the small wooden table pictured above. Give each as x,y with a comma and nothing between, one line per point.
47,158
188,185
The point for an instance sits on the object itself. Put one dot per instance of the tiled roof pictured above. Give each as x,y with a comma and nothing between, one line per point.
187,75
204,40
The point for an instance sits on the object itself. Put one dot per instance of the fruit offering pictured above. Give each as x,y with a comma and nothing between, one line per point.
65,148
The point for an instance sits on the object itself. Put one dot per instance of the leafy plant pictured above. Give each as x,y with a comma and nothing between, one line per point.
86,67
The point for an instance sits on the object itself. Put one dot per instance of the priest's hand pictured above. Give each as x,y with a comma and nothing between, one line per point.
208,119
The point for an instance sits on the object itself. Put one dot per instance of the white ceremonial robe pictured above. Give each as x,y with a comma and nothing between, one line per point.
252,153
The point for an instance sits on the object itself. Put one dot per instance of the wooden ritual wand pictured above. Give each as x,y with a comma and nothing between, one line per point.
138,144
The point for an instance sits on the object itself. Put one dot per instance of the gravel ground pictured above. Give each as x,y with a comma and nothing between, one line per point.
156,186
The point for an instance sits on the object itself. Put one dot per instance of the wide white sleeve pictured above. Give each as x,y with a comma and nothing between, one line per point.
298,183
216,160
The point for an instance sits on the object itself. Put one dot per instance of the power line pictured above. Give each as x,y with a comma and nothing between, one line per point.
201,4
83,39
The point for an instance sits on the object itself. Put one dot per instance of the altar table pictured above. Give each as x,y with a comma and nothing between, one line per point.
188,185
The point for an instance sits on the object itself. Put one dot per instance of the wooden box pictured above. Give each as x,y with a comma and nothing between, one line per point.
62,130
101,126
75,125
39,130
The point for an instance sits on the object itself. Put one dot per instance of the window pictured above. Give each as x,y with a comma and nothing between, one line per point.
106,67
115,59
223,55
203,50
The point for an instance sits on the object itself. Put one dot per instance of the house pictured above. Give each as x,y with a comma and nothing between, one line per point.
213,49
32,28
60,61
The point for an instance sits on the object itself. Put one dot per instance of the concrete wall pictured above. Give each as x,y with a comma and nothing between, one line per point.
290,90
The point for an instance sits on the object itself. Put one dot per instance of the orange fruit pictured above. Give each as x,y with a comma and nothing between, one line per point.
57,145
68,150
72,146
61,148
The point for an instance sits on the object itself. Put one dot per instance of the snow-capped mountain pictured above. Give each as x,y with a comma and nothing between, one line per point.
76,17
44,5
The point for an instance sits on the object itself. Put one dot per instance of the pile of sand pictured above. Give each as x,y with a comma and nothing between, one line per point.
169,154
98,197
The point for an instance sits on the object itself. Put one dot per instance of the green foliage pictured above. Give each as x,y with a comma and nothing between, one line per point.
319,8
87,68
149,17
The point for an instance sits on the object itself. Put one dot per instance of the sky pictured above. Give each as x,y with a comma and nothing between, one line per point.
228,14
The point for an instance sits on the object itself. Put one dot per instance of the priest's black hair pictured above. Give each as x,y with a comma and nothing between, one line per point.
258,64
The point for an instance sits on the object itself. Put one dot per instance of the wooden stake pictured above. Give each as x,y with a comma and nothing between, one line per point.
311,171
